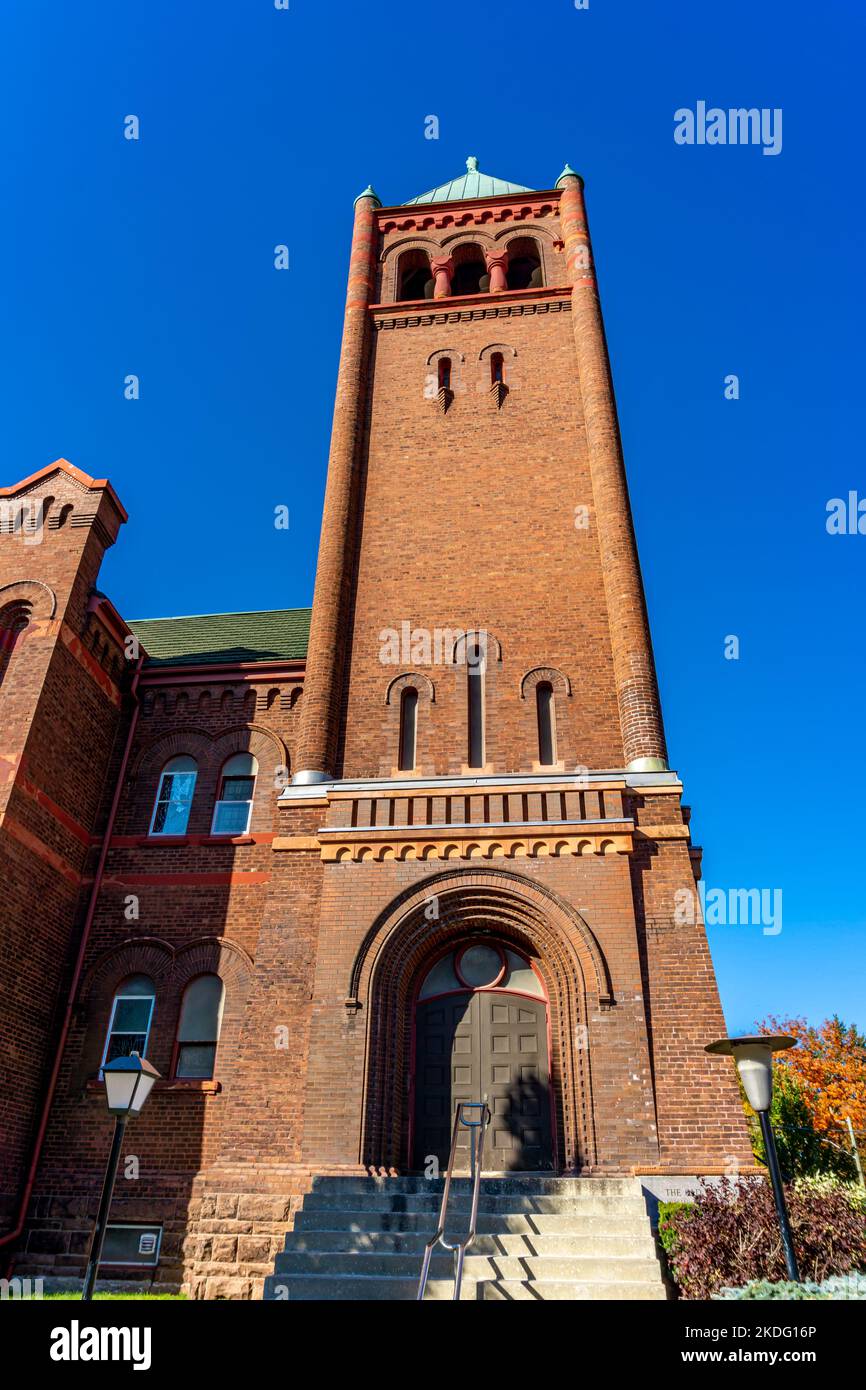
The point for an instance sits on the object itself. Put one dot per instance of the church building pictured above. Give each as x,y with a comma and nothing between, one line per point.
334,870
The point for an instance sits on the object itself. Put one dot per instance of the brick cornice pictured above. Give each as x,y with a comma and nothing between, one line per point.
464,308
505,207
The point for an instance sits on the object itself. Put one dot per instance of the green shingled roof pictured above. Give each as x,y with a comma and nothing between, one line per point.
472,184
212,638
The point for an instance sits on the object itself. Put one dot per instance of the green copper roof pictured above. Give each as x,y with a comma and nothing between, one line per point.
472,184
212,638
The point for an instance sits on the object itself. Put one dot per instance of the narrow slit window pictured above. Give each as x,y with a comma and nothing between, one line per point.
497,369
408,728
546,723
475,690
444,373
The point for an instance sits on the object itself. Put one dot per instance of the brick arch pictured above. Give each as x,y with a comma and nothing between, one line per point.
458,649
155,753
41,599
146,955
521,233
212,955
389,262
475,237
250,738
558,679
400,946
417,680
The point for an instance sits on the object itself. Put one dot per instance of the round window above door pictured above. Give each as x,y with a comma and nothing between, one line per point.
480,965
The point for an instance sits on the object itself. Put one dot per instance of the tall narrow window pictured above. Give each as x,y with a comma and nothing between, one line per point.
13,621
131,1015
546,724
475,690
408,724
174,797
497,369
199,1027
232,812
444,373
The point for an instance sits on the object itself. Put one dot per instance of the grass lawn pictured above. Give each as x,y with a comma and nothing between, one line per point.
120,1297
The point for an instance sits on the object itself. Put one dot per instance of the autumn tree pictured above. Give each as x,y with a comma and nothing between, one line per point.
825,1074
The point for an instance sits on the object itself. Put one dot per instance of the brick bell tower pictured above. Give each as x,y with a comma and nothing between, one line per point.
481,767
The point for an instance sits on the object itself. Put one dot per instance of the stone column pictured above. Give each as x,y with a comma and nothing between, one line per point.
497,269
442,268
634,669
315,759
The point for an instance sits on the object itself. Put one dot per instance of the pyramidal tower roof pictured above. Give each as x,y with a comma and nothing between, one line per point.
472,184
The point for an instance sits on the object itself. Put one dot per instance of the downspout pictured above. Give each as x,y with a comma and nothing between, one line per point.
76,978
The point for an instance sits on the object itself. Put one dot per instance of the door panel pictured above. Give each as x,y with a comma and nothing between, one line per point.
473,1044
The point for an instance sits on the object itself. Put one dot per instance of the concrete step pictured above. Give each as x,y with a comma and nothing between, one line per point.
554,1242
613,1268
377,1289
488,1203
581,1222
536,1184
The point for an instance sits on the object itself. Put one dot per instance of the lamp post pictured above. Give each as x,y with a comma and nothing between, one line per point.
754,1059
128,1083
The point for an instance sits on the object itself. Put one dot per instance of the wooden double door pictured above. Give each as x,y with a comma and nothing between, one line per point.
483,1043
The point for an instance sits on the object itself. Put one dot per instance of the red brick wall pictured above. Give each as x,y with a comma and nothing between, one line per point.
60,714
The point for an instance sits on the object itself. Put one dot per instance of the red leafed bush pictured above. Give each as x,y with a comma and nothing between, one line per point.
730,1235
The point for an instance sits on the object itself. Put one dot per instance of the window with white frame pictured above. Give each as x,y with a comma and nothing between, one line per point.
199,1027
130,1020
235,802
174,797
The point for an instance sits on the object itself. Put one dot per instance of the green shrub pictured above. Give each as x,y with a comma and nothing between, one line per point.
667,1229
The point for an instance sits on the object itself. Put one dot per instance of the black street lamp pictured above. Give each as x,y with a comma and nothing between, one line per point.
128,1083
754,1059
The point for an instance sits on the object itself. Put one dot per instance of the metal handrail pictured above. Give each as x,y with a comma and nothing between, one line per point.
476,1159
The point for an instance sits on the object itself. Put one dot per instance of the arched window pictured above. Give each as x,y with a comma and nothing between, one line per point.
235,802
524,264
174,796
444,373
497,368
415,279
546,723
408,727
475,692
198,1030
13,621
470,271
131,1015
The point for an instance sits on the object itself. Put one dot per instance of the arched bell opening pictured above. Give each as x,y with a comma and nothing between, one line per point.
470,270
414,276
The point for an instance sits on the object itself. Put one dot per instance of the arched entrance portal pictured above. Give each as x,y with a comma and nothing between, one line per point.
481,1031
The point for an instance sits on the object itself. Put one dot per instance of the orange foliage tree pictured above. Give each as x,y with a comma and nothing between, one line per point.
829,1064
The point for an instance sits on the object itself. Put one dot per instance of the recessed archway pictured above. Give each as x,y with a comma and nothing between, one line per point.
396,954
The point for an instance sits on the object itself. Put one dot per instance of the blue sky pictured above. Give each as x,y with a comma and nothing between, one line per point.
259,126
